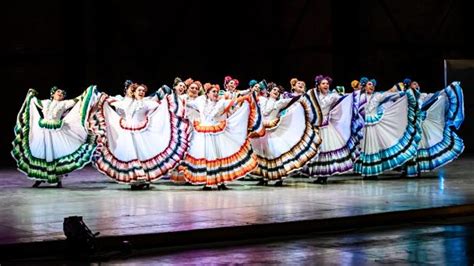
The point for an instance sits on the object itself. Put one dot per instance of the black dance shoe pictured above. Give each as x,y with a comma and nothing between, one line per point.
322,180
207,188
222,187
279,183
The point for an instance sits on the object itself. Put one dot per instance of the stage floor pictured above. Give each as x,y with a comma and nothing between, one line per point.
30,215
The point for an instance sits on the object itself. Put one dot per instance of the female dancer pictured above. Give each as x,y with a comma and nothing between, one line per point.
179,87
290,139
139,139
298,88
220,149
338,140
230,86
391,131
441,114
51,138
193,91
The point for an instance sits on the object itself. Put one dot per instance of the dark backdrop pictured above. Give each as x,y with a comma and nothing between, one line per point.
73,44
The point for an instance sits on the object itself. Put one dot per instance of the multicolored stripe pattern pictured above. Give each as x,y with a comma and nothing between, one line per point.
136,170
51,124
338,161
209,129
400,153
139,127
357,125
256,126
37,168
294,159
451,145
310,99
219,171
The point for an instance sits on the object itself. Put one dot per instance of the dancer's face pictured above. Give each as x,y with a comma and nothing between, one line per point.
193,90
256,88
213,94
140,92
414,85
129,92
180,88
275,93
324,86
231,86
300,87
58,95
370,88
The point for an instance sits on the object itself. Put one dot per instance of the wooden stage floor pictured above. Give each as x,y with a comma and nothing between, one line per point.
31,215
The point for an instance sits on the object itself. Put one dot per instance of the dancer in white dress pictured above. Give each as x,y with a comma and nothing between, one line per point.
193,91
230,86
338,140
290,140
51,137
220,149
139,139
391,130
298,88
441,114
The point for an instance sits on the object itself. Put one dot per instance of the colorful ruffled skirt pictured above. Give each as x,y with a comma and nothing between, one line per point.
337,149
140,154
46,151
221,152
391,136
441,115
290,141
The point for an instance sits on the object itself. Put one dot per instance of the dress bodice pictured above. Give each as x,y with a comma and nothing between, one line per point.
53,110
210,112
327,101
134,112
271,107
375,99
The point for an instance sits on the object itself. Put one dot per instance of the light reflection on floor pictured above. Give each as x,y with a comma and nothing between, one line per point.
112,209
410,244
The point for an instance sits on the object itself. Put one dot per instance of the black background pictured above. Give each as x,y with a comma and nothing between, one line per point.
74,44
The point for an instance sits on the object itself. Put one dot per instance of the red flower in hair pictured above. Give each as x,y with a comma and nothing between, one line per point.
227,79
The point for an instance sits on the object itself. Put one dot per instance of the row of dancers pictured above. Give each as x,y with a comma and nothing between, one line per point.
208,135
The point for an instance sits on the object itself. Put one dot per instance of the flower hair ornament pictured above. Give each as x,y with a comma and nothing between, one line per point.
54,89
209,86
228,79
363,81
252,83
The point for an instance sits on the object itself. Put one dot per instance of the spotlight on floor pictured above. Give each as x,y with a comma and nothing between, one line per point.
79,237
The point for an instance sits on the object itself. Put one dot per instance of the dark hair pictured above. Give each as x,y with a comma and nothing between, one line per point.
176,81
318,79
54,89
126,84
273,85
136,85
